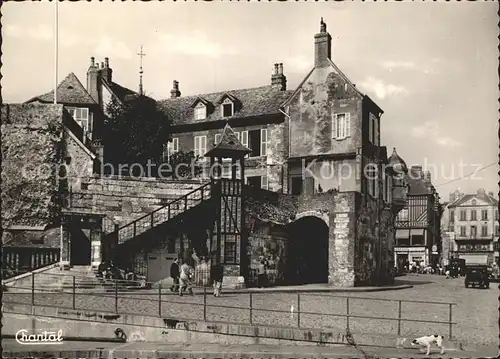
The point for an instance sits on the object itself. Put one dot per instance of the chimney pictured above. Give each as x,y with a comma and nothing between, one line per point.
106,71
322,47
481,192
428,177
174,93
278,78
416,171
94,81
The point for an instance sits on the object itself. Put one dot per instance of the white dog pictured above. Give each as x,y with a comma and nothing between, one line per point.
427,341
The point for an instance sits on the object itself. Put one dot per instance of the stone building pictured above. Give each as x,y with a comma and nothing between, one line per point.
474,219
314,193
418,225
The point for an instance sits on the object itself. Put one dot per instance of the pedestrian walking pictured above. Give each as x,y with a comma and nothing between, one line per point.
175,273
216,275
185,278
261,274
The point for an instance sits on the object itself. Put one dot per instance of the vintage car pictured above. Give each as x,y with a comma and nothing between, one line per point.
477,275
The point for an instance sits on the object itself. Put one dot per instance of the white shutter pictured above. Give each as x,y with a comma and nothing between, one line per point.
370,128
334,126
375,131
175,145
217,138
263,142
196,146
244,138
264,182
203,146
237,134
347,125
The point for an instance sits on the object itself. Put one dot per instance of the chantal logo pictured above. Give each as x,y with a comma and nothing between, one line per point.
23,336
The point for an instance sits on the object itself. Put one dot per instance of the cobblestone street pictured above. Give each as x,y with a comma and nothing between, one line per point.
475,312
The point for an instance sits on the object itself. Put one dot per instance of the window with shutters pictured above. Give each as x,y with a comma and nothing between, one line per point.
473,215
200,112
81,116
484,231
484,215
389,189
370,176
200,147
463,215
463,231
227,108
341,125
256,140
373,131
170,148
473,231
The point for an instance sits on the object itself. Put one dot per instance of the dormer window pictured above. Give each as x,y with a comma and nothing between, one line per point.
227,108
200,111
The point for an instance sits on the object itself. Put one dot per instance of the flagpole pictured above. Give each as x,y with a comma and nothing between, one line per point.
56,35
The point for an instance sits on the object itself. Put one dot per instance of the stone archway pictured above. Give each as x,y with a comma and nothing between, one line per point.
307,250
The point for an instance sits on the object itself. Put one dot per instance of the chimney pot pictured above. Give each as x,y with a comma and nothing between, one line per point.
102,65
106,62
174,93
278,78
322,47
92,61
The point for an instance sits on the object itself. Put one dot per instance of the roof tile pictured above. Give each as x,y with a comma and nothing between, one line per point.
258,101
69,91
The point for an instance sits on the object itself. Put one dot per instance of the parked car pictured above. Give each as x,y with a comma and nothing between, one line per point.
477,275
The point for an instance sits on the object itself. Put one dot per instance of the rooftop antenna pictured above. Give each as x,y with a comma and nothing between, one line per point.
141,55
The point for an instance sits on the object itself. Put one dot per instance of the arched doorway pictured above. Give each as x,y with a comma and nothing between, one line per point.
307,251
80,248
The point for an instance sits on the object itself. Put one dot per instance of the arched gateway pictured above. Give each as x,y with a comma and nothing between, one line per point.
307,251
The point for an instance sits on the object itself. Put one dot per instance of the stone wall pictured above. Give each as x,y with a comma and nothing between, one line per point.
31,151
322,94
267,241
374,250
337,210
81,161
126,199
49,238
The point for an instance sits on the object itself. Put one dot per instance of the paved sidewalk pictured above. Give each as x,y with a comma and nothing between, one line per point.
161,350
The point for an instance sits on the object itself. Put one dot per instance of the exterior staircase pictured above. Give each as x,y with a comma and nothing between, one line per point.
163,214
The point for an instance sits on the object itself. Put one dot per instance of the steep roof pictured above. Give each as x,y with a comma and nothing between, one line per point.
257,101
228,145
69,91
121,92
483,197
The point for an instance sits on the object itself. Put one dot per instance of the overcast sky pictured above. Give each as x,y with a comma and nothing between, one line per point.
432,67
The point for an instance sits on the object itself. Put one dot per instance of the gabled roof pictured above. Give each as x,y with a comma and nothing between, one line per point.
257,101
121,92
227,95
200,99
341,74
483,197
69,91
228,145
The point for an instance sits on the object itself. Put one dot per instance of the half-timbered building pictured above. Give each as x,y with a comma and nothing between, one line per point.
418,234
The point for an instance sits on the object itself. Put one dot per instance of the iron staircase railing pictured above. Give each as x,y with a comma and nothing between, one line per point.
163,214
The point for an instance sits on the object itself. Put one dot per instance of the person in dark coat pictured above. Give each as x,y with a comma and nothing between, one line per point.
216,274
175,273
